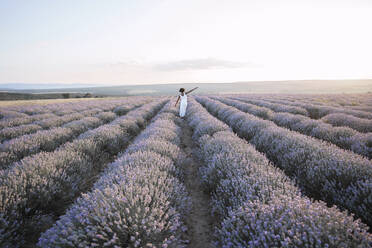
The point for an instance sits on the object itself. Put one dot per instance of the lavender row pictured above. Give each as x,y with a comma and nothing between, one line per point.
319,111
37,189
57,121
256,204
14,132
343,120
322,170
65,109
362,108
360,102
13,122
334,116
45,120
275,107
335,100
46,140
138,202
343,137
340,118
60,120
349,102
8,114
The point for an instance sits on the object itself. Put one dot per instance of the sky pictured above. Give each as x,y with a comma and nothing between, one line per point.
124,42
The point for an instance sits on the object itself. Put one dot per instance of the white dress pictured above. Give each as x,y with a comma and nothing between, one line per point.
183,105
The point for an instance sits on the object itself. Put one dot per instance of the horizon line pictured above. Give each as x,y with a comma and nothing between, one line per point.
97,85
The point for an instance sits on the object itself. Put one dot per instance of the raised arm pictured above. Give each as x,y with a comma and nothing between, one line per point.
177,101
191,90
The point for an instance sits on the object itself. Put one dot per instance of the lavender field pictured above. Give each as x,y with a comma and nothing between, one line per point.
240,170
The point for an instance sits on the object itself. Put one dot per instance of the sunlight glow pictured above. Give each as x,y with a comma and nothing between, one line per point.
141,42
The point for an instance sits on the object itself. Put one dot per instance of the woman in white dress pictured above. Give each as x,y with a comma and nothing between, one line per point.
183,103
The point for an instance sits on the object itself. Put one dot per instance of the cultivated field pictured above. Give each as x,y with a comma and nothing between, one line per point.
248,170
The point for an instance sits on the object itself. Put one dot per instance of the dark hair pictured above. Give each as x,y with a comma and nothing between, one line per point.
182,90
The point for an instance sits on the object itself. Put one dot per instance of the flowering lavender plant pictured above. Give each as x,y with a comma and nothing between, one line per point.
343,137
37,186
137,202
343,120
258,206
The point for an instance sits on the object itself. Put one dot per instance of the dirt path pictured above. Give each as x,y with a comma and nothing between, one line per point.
199,222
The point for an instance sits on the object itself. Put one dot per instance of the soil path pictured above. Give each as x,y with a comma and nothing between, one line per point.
199,222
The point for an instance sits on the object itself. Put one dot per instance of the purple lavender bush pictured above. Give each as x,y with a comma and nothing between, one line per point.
134,210
58,121
106,116
13,122
122,110
277,107
13,132
343,137
16,131
322,170
165,131
258,206
47,140
37,187
43,140
343,120
9,114
28,114
84,124
319,111
291,221
137,202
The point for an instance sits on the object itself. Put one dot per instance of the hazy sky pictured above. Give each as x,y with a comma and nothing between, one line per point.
168,41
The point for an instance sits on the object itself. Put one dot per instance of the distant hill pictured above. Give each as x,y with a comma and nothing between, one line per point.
264,87
25,86
6,96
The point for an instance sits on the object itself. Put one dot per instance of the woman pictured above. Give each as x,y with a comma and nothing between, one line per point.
183,98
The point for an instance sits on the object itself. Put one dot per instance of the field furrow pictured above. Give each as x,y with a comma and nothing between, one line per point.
199,221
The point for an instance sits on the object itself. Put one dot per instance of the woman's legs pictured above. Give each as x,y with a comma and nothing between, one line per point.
183,109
